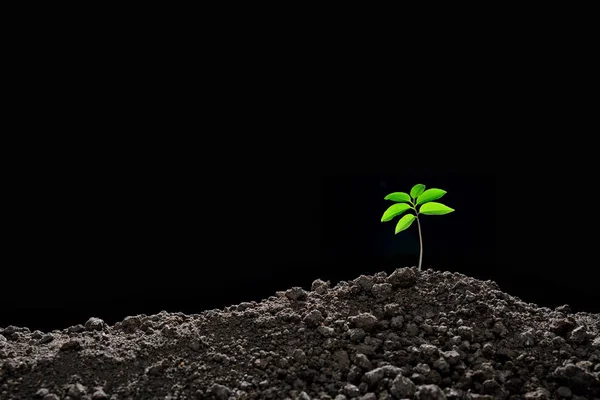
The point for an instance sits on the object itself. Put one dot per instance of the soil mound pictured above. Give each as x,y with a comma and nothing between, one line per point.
407,335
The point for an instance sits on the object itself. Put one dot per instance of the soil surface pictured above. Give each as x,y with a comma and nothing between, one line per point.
407,335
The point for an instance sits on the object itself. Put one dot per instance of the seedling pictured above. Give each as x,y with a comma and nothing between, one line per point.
418,197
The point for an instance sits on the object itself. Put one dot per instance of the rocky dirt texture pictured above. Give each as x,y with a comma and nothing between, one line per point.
407,335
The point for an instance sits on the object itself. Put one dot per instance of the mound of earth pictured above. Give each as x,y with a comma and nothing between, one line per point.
409,335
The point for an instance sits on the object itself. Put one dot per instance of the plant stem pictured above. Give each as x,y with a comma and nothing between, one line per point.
420,243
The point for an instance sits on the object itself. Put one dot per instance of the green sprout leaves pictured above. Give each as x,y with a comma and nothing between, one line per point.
418,197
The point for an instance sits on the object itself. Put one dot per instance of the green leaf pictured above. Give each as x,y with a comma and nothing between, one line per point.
404,223
394,210
399,197
434,208
430,195
417,190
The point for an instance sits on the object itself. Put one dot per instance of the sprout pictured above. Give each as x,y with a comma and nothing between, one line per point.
418,197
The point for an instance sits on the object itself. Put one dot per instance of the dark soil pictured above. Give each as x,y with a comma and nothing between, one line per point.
409,335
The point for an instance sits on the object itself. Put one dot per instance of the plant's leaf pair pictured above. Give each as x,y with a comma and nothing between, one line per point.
431,208
417,193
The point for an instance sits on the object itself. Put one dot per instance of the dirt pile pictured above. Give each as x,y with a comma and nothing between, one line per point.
409,335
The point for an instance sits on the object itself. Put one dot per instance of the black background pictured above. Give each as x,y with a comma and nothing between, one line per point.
128,192
111,240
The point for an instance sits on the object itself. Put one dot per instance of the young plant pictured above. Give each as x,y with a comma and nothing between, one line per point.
418,197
